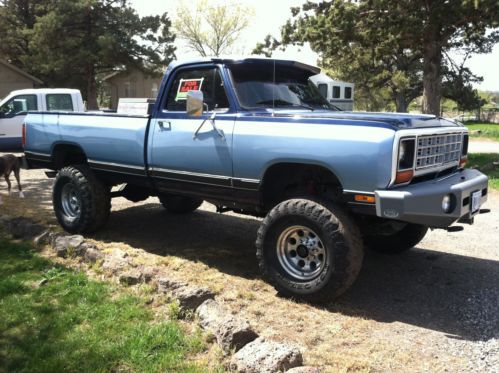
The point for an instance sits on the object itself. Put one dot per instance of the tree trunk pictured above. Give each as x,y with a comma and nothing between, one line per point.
432,72
400,102
91,89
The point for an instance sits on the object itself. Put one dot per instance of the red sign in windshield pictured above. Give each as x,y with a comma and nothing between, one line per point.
190,85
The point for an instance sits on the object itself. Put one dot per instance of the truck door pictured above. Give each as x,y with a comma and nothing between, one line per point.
180,160
12,114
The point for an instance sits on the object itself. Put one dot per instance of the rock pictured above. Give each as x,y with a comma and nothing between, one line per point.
131,277
24,228
42,239
191,297
149,273
306,369
188,296
166,285
231,332
118,253
266,356
64,245
116,262
92,254
53,236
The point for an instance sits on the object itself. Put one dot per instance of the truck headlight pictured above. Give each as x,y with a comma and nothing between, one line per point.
405,160
406,154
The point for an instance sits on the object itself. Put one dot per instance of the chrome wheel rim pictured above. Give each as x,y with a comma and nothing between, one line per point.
70,200
301,252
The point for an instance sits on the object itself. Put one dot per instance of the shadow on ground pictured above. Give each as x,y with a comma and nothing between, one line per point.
422,287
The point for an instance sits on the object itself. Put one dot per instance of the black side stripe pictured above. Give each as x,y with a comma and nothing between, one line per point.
192,177
38,157
215,180
117,168
246,184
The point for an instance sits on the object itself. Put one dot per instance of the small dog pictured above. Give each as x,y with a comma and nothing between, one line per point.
9,163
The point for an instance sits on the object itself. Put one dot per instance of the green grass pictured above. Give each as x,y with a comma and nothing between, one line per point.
73,323
489,131
481,159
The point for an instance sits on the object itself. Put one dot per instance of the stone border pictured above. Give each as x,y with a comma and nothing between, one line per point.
252,354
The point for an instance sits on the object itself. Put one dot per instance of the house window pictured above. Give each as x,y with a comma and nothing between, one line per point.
131,88
336,91
323,89
348,92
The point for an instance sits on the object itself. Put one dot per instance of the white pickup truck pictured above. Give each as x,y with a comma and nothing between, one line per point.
15,106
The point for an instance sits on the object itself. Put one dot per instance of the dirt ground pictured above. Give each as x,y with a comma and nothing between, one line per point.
434,308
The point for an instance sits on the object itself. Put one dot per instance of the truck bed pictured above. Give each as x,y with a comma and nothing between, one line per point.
106,139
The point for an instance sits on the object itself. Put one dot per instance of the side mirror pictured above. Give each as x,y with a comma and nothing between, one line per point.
195,103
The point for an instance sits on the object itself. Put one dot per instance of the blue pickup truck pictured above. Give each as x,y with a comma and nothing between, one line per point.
255,136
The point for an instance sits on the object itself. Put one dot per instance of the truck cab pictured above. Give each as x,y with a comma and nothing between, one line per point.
15,107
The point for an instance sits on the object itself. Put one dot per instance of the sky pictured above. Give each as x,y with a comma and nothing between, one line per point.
270,15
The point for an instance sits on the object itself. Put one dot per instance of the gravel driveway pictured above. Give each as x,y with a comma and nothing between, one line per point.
433,308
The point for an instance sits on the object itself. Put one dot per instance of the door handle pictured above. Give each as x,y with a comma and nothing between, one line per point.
164,125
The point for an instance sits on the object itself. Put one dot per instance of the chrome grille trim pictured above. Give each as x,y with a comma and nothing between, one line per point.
438,150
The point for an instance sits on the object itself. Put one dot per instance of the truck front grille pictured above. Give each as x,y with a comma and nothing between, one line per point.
437,150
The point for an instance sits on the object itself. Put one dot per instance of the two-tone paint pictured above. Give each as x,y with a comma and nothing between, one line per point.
358,148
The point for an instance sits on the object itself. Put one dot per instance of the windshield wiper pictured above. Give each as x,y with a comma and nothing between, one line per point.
284,103
305,106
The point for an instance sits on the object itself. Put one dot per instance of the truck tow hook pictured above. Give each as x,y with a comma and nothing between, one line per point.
484,211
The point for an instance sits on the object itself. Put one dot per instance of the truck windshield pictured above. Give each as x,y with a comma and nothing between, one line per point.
256,87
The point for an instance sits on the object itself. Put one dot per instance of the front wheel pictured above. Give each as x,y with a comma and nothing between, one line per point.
309,249
81,201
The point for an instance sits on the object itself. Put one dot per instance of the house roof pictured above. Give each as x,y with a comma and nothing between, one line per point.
119,72
20,72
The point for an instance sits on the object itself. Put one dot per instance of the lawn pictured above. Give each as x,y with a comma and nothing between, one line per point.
489,130
481,159
72,323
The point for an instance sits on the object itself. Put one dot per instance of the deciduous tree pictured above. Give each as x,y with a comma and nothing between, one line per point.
211,30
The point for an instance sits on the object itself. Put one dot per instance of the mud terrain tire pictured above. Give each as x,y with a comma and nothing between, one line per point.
298,232
81,201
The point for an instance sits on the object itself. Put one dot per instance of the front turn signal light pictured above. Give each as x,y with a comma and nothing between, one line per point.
404,176
463,161
364,198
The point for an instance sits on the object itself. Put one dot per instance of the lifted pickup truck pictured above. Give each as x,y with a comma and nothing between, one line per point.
256,137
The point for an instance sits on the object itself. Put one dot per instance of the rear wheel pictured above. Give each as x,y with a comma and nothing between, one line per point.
81,202
398,242
309,249
179,204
